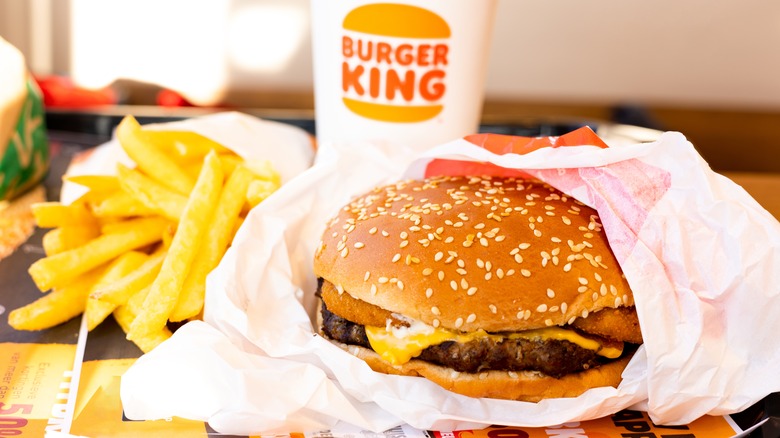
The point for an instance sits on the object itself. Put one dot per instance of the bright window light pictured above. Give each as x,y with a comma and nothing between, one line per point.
177,44
264,37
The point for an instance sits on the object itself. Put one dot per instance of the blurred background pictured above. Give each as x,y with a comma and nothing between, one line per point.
707,68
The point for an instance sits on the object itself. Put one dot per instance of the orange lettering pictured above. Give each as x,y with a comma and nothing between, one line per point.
365,49
432,85
383,51
403,54
346,47
423,51
394,83
440,54
373,82
351,78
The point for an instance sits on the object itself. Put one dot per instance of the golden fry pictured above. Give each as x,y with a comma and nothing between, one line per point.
103,184
68,237
214,244
56,214
59,269
120,204
264,170
119,291
259,190
96,311
136,142
57,306
190,232
184,145
147,342
151,194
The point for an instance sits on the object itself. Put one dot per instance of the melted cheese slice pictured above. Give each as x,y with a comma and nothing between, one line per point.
398,346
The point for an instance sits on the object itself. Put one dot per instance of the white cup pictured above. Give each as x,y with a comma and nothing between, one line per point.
408,73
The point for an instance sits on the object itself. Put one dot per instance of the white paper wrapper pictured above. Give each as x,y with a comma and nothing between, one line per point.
702,257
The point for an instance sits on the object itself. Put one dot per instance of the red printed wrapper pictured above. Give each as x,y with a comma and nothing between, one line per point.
701,256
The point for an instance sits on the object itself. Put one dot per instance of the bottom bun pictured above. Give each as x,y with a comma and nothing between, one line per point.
527,386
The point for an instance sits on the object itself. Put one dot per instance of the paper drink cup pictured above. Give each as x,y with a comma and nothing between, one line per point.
407,73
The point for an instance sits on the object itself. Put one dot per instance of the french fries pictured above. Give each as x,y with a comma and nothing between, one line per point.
139,244
189,234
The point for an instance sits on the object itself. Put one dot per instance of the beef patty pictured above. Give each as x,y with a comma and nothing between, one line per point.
555,358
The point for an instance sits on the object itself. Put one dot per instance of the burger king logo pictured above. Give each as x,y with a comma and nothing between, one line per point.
395,59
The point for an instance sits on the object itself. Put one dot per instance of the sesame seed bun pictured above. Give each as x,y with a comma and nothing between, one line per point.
469,253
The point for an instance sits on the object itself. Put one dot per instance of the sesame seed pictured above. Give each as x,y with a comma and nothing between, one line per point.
548,322
428,292
564,307
396,257
500,238
367,276
618,301
435,310
514,251
567,267
595,296
583,280
553,309
526,273
550,293
383,280
480,263
613,289
537,233
344,252
518,258
449,239
471,318
500,273
512,374
582,289
458,322
520,314
427,271
373,289
603,290
441,275
454,284
464,284
385,233
492,308
340,289
542,308
461,271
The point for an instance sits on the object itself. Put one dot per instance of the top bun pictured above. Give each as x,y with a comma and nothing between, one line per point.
468,253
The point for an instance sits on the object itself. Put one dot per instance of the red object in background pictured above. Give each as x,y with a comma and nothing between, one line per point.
170,98
60,91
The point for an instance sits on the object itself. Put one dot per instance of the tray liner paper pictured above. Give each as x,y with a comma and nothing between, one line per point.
702,257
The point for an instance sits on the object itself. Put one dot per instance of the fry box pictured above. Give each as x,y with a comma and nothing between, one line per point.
409,73
702,258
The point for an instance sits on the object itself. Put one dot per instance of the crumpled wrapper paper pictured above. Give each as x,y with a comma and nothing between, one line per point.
702,257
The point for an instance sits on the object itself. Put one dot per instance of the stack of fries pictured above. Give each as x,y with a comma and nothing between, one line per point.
139,244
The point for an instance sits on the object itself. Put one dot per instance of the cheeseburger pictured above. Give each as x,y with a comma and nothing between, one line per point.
490,287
